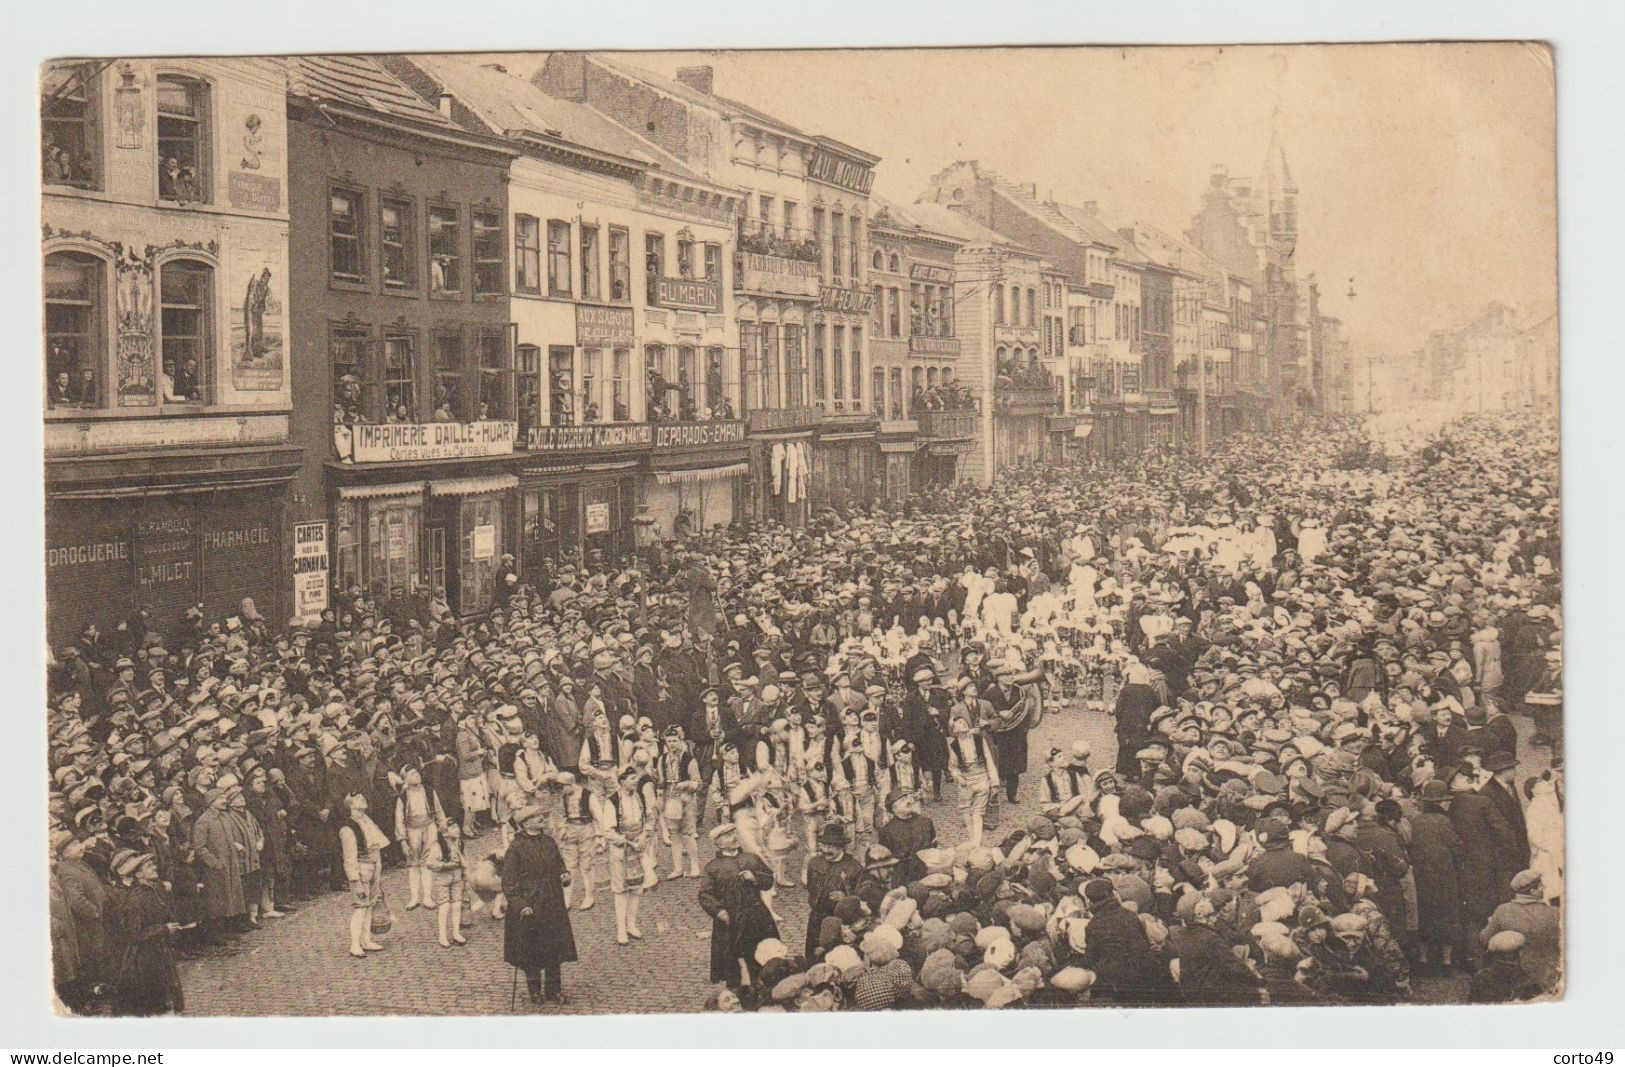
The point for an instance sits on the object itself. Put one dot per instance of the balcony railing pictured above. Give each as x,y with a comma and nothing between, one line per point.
947,425
926,345
786,242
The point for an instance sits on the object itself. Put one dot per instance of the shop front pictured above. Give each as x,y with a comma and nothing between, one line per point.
847,471
107,556
698,477
578,494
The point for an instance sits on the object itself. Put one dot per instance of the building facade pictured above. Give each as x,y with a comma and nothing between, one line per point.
167,370
404,399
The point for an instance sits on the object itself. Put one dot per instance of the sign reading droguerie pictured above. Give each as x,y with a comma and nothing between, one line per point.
848,174
593,436
929,272
309,569
603,326
691,434
395,442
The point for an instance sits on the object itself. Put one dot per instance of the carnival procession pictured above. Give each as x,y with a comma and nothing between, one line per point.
530,533
1333,772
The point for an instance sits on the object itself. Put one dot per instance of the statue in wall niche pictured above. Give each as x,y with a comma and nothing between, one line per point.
252,143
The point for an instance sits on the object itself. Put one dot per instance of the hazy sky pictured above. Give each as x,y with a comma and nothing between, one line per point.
1425,172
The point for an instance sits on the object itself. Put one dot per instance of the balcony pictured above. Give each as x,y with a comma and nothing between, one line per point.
925,345
947,425
781,242
899,427
770,420
848,413
1100,291
1024,400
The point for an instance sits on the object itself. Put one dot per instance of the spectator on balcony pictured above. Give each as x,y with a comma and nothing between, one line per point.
724,410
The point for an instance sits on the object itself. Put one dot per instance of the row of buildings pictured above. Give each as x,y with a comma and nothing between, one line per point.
339,321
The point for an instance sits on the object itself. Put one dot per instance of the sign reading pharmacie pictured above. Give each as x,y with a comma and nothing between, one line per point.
416,441
599,326
834,298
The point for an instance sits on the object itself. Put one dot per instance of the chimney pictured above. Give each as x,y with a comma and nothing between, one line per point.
445,104
696,78
1032,190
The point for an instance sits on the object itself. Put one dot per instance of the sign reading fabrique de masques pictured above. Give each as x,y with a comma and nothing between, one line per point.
412,442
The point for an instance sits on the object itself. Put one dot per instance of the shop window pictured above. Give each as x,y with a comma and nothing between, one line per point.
527,253
75,330
392,547
620,386
592,384
713,263
183,139
186,290
449,368
395,253
399,373
70,126
620,264
445,250
496,377
654,265
527,386
345,228
347,350
560,383
346,545
589,263
487,250
480,529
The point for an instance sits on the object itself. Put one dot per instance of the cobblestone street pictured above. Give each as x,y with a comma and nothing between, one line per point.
299,965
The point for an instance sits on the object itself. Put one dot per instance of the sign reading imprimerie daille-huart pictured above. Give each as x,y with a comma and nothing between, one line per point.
409,441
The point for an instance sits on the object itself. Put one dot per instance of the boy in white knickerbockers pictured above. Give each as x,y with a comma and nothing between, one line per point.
578,843
971,766
814,803
680,777
625,822
450,883
417,814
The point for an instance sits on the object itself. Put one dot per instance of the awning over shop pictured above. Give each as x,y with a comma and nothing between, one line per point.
1165,411
489,483
1083,429
701,474
373,492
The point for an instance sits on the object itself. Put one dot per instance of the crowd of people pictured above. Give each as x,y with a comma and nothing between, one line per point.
1317,793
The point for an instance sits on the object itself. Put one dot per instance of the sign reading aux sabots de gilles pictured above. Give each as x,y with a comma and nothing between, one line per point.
417,441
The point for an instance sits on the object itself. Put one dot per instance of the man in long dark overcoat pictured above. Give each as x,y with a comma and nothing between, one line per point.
537,937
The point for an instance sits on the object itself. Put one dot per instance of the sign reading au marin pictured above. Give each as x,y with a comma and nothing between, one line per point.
395,442
688,293
603,325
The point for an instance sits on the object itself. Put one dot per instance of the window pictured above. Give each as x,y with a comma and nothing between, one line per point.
998,305
837,350
183,139
818,232
916,309
837,228
945,317
795,370
750,355
185,292
687,373
897,401
789,219
445,250
620,386
654,265
347,351
590,267
879,260
70,127
527,253
766,213
395,253
880,309
894,313
527,385
399,379
877,390
714,391
820,379
488,254
855,246
713,263
392,542
592,379
496,377
1032,306
560,382
857,366
344,235
620,264
770,365
75,330
449,366
685,257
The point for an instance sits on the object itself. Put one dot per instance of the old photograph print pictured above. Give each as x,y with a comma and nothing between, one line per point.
810,531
